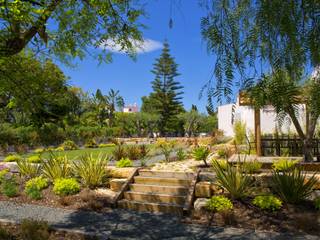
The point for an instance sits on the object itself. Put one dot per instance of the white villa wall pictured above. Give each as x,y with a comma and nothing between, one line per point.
246,114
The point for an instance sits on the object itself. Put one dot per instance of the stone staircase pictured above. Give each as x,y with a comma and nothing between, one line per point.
157,191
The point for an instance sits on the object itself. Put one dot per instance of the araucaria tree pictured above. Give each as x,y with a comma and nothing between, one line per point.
274,38
166,95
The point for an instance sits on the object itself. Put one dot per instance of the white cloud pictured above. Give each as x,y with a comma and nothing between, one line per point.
147,45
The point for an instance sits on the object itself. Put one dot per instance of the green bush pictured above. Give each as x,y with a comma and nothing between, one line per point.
317,203
119,152
233,179
124,162
219,204
267,202
105,145
34,159
56,167
66,186
69,145
201,154
293,186
34,230
3,174
91,170
91,143
12,158
39,150
252,167
284,165
37,182
27,169
9,187
166,148
239,129
181,155
222,153
58,149
33,193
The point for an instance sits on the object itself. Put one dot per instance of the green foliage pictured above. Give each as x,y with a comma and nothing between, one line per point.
124,162
58,149
3,174
69,145
239,129
92,171
222,153
119,152
91,143
34,159
144,154
133,152
5,235
181,155
12,158
28,169
233,179
166,148
267,202
66,186
219,204
105,145
283,165
56,167
34,230
252,167
39,150
317,203
34,193
222,162
293,186
9,187
37,182
201,153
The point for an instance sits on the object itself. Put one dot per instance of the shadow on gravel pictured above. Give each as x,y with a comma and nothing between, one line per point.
125,224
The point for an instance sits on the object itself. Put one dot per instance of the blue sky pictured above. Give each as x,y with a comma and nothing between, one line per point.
133,78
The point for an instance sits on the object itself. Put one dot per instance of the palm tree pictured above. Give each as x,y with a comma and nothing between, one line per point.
114,102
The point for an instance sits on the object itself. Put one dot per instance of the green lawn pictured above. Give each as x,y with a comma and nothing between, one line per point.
74,154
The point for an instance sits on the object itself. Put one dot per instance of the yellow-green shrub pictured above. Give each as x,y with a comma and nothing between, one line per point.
12,158
66,186
267,202
105,145
69,145
37,182
124,162
34,159
284,165
219,204
39,150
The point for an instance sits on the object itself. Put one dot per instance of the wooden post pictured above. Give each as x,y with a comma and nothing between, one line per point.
257,130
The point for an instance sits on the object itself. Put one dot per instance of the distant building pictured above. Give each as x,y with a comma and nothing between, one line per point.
131,108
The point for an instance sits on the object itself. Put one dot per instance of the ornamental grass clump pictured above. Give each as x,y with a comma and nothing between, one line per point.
283,165
92,171
119,152
181,154
293,186
166,148
27,169
267,202
56,167
252,167
201,154
233,179
66,186
9,187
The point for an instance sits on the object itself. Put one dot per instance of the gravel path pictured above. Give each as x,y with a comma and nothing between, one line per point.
123,224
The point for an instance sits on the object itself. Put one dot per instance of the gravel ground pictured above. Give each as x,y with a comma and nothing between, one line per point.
123,224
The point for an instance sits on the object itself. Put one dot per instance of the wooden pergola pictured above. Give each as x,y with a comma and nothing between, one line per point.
244,100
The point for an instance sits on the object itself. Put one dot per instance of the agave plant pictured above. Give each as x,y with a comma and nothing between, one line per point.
91,170
233,179
293,186
201,154
56,167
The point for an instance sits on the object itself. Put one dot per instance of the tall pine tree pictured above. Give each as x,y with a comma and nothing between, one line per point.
167,92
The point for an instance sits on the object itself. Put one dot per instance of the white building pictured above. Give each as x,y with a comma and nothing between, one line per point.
230,113
131,108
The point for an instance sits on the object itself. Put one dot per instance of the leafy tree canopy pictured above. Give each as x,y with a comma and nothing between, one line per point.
68,28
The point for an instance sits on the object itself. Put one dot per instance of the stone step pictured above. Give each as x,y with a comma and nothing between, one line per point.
172,190
162,181
151,207
154,198
166,174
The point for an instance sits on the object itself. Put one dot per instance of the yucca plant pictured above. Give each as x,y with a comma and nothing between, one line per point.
91,170
56,167
27,169
201,154
233,179
293,186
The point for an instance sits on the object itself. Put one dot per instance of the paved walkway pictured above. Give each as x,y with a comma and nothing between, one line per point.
122,224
